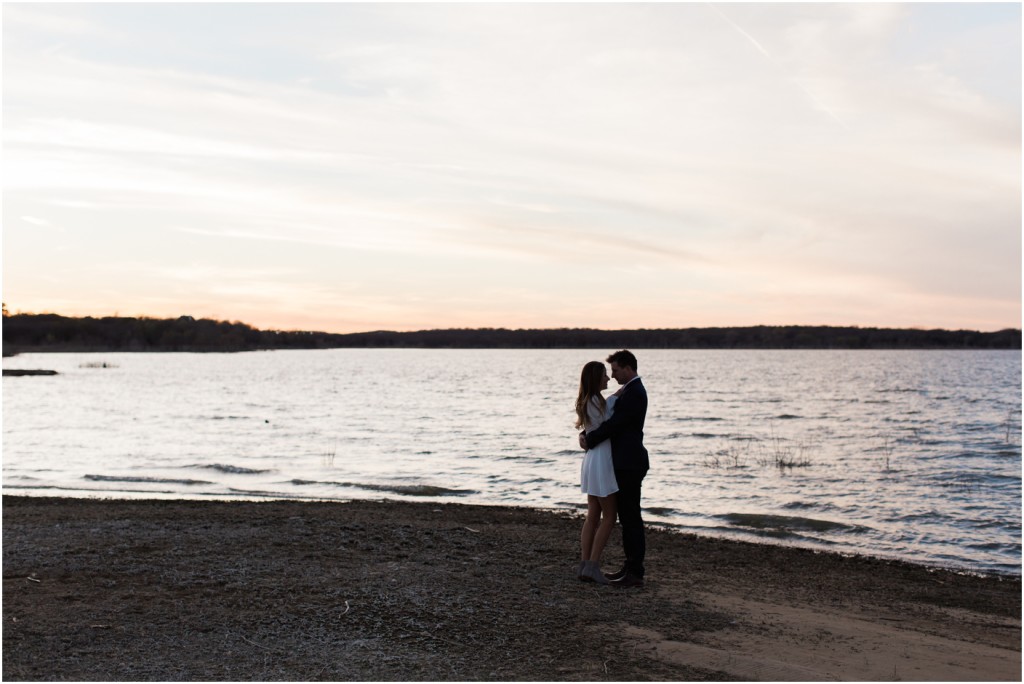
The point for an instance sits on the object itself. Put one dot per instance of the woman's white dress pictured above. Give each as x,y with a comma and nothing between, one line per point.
597,474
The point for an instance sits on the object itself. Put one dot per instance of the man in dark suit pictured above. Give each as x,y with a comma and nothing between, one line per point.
625,429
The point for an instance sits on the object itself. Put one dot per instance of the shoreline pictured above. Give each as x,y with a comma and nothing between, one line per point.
396,590
740,536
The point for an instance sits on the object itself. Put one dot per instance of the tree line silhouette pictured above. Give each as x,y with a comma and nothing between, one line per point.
52,332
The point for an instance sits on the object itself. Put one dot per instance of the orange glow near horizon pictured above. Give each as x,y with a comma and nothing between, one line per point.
290,322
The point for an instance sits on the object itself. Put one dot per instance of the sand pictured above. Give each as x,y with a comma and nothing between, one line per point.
185,590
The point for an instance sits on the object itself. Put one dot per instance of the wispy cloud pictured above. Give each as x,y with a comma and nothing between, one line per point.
739,30
708,151
35,221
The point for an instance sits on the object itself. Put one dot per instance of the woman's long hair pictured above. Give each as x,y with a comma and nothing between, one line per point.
590,386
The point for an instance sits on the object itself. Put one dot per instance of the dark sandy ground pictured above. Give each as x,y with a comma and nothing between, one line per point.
242,591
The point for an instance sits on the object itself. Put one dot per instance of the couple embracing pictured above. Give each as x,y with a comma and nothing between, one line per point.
613,468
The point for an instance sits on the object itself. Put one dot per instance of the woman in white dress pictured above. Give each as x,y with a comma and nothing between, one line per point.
597,475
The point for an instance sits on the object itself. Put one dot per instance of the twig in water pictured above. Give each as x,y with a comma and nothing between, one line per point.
472,530
347,608
328,456
1010,424
887,453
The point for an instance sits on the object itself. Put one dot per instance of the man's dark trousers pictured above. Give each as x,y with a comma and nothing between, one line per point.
633,542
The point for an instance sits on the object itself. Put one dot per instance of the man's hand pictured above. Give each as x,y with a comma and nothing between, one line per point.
583,441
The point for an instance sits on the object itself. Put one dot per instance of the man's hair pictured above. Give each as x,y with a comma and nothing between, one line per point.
623,358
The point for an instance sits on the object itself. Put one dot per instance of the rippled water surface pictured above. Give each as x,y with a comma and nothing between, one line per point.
908,454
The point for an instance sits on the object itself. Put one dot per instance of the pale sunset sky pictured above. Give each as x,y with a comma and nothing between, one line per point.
351,167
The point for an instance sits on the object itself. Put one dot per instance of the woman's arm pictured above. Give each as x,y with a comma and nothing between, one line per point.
594,414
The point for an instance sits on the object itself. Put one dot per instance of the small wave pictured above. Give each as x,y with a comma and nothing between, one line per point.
703,419
278,495
69,488
996,569
408,490
539,460
963,483
657,510
782,535
416,490
13,486
157,480
996,546
996,478
924,516
236,470
785,524
804,505
787,416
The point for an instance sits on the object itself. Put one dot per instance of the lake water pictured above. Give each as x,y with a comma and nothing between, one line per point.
902,454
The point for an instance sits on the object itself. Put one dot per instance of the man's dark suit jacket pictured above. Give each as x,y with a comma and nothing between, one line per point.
625,429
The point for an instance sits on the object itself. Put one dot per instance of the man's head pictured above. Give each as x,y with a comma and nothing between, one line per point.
623,365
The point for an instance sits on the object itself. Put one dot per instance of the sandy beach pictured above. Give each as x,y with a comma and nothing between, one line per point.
187,590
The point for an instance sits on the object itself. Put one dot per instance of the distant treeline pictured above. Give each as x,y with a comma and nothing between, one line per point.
51,332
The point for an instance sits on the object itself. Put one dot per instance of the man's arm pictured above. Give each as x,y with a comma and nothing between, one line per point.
629,410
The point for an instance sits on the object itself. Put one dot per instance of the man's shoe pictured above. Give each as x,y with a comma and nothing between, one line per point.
615,576
628,580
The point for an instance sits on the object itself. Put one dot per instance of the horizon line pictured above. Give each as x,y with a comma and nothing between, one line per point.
7,314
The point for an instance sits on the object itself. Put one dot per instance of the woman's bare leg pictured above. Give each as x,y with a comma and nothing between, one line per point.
607,510
590,527
603,510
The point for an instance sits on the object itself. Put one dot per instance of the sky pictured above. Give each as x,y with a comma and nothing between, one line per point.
351,167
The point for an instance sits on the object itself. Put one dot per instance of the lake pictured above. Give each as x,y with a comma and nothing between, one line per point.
913,455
